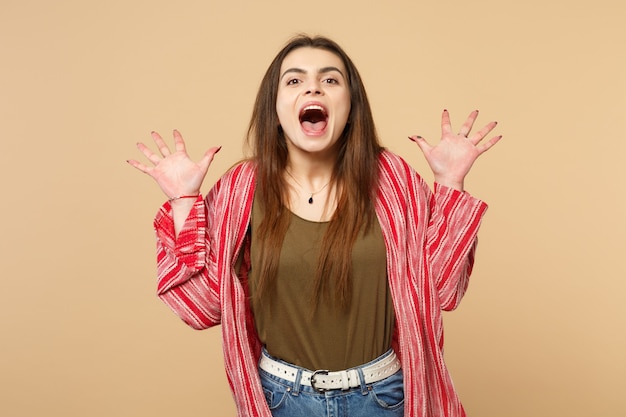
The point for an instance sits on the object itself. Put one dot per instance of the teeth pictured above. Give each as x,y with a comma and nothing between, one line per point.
313,107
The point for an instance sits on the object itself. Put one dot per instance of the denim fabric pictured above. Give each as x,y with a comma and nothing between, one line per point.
290,399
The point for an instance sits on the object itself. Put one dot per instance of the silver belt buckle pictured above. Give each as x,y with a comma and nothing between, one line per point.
316,373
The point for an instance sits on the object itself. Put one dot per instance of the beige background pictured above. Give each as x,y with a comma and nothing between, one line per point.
541,331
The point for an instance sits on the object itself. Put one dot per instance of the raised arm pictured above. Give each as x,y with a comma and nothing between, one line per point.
455,215
186,278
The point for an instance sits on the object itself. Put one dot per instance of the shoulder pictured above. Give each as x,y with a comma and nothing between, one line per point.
393,168
238,181
245,168
242,171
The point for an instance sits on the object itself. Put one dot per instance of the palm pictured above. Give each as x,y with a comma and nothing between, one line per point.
175,173
452,158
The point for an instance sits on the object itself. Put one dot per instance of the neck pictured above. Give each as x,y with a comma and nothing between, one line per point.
311,174
310,178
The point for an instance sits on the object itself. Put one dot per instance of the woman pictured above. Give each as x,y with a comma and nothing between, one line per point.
325,258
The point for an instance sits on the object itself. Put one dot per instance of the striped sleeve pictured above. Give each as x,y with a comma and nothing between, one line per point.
451,241
183,274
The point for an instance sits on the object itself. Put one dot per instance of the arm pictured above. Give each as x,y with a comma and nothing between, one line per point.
186,278
451,240
455,215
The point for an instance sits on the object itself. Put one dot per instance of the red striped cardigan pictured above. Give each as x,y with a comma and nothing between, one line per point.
430,239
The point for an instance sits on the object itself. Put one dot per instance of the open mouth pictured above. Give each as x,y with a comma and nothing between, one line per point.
313,118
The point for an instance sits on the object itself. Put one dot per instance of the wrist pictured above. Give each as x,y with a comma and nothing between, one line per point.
183,197
454,184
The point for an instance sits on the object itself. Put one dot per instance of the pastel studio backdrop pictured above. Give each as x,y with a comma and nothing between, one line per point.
541,330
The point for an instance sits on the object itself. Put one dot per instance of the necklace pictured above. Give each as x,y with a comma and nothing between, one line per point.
310,200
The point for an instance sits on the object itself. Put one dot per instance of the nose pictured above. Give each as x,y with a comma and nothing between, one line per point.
313,88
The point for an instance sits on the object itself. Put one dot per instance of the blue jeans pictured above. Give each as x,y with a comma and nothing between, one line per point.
291,399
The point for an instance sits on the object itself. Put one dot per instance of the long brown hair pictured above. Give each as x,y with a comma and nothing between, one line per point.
355,177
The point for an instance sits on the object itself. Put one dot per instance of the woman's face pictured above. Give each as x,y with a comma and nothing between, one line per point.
313,102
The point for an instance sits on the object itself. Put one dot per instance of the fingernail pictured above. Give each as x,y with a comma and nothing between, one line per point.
411,138
218,149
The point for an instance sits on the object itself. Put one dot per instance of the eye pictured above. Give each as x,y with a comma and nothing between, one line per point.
331,81
293,81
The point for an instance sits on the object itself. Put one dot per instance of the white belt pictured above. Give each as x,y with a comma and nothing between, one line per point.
322,380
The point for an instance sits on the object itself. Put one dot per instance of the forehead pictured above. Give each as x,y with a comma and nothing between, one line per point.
311,60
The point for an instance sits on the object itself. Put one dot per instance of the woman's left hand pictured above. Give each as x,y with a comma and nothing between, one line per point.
452,158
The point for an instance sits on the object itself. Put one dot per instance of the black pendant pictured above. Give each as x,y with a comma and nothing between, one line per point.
311,200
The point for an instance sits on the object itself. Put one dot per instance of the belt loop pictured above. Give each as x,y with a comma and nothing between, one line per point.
364,390
298,382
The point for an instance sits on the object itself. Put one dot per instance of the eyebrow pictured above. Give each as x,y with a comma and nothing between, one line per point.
323,70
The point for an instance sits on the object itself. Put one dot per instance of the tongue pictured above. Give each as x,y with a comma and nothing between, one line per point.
314,126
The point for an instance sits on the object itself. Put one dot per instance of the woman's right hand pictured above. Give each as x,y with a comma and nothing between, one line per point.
176,173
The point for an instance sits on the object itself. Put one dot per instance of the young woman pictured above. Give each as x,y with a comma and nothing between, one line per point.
326,259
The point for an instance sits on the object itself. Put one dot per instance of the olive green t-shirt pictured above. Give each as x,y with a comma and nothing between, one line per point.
332,338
